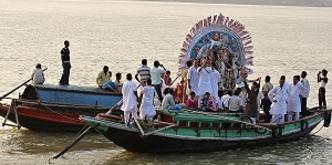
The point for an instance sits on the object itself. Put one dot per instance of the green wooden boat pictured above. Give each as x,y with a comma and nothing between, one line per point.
193,131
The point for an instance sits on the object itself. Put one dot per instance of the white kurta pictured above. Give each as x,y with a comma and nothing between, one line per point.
294,101
147,108
278,97
128,96
204,81
215,77
306,88
193,77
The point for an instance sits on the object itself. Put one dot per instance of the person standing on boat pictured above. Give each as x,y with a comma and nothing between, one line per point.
278,96
38,75
265,101
215,79
167,78
252,103
147,109
322,80
65,58
304,93
294,100
156,75
129,99
193,77
204,80
143,72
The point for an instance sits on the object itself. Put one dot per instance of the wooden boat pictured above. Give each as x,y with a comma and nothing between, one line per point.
54,108
190,131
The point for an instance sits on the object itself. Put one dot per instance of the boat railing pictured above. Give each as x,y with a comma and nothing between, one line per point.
62,105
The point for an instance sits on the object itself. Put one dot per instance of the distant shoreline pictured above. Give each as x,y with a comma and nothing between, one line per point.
303,3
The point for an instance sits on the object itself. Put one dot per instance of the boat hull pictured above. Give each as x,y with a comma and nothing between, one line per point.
162,144
180,140
44,120
52,108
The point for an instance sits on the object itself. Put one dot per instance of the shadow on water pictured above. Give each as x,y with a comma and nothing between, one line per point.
303,151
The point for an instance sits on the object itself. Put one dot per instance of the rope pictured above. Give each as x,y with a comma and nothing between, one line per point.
48,108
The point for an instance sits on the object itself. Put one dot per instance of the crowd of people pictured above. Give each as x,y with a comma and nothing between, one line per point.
209,84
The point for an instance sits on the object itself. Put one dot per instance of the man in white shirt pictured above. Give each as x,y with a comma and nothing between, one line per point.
215,78
156,75
235,102
192,77
322,80
278,96
129,98
225,99
294,101
304,93
204,80
38,75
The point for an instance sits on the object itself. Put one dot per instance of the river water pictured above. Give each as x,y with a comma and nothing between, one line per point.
287,40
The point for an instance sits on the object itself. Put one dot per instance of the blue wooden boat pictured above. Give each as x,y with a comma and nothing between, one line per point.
55,108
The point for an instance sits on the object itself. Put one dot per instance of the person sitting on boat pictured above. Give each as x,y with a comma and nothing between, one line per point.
294,100
37,76
278,96
252,103
129,99
178,93
168,102
104,80
322,80
208,103
192,101
147,109
117,82
220,104
235,102
143,72
225,99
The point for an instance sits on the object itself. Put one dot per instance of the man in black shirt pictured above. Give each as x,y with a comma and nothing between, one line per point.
65,58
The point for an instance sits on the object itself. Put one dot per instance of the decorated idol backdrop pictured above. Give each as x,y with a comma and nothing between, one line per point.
222,42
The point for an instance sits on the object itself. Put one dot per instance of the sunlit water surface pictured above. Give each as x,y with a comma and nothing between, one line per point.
287,40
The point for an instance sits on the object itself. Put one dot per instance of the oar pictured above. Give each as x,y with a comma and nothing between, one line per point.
72,144
13,90
86,130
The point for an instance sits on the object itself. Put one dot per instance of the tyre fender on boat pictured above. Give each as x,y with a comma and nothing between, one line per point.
277,131
327,118
304,125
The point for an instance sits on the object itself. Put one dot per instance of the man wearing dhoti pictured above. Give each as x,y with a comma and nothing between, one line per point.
294,100
129,98
204,80
278,96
